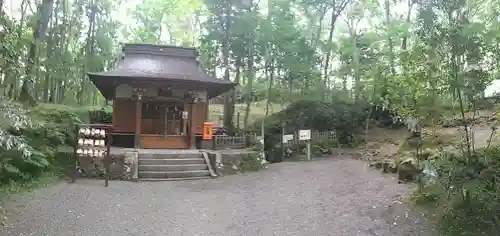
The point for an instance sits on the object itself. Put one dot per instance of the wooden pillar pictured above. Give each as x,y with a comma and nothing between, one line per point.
185,116
192,137
138,121
165,122
206,111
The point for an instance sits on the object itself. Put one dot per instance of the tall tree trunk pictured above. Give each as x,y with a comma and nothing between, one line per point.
268,62
237,79
84,98
65,36
389,36
270,86
226,23
10,76
249,85
3,17
317,38
251,71
337,8
404,43
48,72
50,52
352,24
328,55
357,77
44,11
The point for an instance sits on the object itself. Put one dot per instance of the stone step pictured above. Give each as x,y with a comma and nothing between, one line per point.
180,155
173,167
177,161
173,179
173,174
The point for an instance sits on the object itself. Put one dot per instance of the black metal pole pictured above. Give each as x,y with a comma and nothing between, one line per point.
282,145
73,172
109,139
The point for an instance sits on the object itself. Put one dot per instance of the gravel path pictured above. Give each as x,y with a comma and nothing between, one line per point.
318,198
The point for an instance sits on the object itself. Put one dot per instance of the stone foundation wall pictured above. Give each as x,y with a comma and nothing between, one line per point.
234,162
123,166
207,144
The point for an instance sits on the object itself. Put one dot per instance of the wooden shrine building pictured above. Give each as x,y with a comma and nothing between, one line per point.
160,96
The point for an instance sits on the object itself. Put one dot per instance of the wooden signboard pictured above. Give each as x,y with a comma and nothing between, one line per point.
93,141
305,134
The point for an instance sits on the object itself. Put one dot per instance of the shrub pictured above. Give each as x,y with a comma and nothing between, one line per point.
251,162
34,141
17,157
101,116
346,119
469,193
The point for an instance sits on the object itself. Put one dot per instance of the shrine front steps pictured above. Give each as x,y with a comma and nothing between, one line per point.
175,165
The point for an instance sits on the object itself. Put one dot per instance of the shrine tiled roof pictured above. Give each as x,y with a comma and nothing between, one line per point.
159,63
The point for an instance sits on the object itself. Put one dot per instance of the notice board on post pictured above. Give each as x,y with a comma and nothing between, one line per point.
93,141
305,134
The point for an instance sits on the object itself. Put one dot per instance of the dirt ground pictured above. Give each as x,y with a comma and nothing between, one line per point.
386,142
334,196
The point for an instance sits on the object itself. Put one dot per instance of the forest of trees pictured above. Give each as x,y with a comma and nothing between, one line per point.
402,52
419,57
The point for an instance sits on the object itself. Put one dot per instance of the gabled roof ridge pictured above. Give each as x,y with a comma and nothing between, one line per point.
160,50
143,62
158,45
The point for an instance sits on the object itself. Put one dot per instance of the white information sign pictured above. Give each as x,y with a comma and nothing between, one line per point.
184,115
287,137
261,139
305,134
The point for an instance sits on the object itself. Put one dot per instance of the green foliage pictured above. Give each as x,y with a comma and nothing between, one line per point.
12,187
467,192
344,118
73,38
56,128
101,116
250,163
16,155
35,141
317,116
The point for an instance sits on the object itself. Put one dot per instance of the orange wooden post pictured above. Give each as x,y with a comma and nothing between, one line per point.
207,130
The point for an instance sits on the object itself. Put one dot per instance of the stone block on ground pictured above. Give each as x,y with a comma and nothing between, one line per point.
408,170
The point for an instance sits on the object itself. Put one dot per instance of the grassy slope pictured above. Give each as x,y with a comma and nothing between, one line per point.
257,111
81,111
216,111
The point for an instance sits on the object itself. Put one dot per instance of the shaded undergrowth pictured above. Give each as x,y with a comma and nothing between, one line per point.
466,195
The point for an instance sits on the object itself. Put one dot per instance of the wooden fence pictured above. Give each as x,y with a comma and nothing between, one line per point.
315,137
229,142
233,142
242,141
